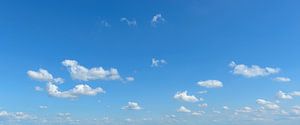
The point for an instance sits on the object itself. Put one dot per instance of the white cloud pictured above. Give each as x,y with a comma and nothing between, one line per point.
203,92
97,73
37,88
158,18
252,71
225,107
296,110
267,104
244,110
129,79
183,96
43,107
183,109
282,79
282,95
132,106
198,113
211,84
44,76
158,62
129,22
204,105
295,93
15,115
81,89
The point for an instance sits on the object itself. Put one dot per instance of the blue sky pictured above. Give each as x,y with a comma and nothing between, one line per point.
171,62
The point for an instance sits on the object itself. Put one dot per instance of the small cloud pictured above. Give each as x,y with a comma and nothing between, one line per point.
204,105
211,84
183,96
104,23
244,110
267,104
252,71
44,76
129,79
158,62
129,22
282,95
282,79
183,109
198,113
225,107
96,73
203,92
295,93
37,88
156,19
43,107
132,106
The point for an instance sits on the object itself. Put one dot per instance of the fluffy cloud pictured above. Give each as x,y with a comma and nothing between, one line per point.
183,96
15,116
282,79
158,18
44,76
183,109
211,84
81,89
267,104
158,62
97,73
252,71
282,95
129,22
296,110
132,106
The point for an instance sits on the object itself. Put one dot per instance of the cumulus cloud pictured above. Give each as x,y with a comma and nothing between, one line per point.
183,109
16,115
183,96
44,76
211,84
282,95
97,73
158,18
198,113
267,104
282,79
132,106
128,22
81,89
252,71
296,110
158,62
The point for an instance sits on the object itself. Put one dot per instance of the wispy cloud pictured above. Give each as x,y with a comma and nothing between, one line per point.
129,22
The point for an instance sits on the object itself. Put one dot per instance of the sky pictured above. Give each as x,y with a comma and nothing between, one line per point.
150,62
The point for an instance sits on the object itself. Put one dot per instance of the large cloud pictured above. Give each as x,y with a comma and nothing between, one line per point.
211,84
183,96
81,89
97,73
44,76
252,71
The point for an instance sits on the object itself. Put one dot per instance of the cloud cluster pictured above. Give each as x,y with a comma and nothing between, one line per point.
97,73
252,71
183,96
211,84
132,106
